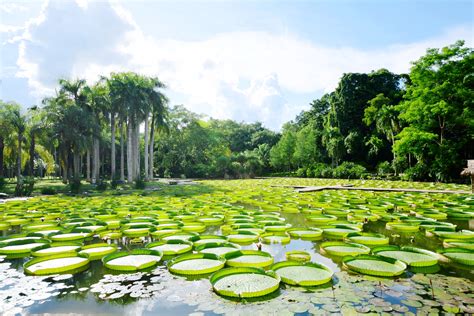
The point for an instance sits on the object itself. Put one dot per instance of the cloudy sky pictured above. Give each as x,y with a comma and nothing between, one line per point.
246,60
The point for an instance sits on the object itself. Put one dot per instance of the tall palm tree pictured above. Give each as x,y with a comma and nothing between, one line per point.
18,123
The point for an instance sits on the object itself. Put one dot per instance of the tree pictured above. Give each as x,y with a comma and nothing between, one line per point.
438,107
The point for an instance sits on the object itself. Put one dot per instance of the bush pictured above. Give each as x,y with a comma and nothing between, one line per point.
301,172
349,170
75,186
417,173
48,191
25,186
115,183
101,185
384,168
3,183
321,170
139,184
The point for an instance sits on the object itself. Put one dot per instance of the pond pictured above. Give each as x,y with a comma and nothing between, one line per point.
338,225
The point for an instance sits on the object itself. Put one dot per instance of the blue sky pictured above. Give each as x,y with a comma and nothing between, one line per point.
245,60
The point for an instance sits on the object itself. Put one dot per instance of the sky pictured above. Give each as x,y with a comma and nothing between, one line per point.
250,61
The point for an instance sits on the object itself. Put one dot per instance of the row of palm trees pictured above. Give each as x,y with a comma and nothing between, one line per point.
80,119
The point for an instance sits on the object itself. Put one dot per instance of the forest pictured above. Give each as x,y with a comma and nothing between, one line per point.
414,126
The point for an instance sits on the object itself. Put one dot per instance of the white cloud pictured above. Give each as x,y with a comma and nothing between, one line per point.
11,7
242,75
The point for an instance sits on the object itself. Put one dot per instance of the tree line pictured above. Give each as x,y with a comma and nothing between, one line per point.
419,126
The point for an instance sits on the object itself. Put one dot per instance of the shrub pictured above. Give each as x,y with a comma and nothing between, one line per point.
25,186
301,172
75,186
3,183
48,191
384,168
321,170
349,170
139,184
115,183
101,185
416,173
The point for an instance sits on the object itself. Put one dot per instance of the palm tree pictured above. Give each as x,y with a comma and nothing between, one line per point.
5,129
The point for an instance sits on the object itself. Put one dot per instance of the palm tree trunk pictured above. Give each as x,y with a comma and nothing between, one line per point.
2,146
31,164
88,165
151,149
137,151
76,164
122,153
146,147
112,147
129,153
95,160
18,158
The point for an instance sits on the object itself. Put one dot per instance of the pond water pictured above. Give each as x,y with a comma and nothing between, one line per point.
155,291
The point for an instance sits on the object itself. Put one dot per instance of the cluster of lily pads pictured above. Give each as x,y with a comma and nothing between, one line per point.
206,234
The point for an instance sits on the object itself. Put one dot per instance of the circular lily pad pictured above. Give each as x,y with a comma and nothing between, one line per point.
171,247
449,243
248,258
203,239
137,259
276,238
56,248
219,249
244,282
194,264
305,233
75,235
298,255
368,239
21,246
459,255
62,263
98,251
412,256
243,237
374,265
340,249
303,274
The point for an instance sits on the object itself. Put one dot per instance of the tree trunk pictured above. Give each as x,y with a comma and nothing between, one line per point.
18,159
137,151
31,164
88,165
2,146
130,169
122,154
146,147
76,164
151,149
95,160
112,147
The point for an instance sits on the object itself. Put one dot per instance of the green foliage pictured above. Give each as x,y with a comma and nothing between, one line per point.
139,184
101,185
3,183
349,170
75,186
24,186
48,191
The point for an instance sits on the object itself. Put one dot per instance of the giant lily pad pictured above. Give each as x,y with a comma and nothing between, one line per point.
336,248
374,265
137,259
302,274
171,247
219,249
62,263
248,258
194,264
244,282
459,255
412,256
98,251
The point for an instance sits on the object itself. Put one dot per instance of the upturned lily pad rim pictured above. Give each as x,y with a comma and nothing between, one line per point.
78,267
399,264
99,254
458,250
171,242
40,243
194,256
315,265
216,245
327,244
425,263
239,253
285,238
56,244
216,276
382,239
298,255
140,251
